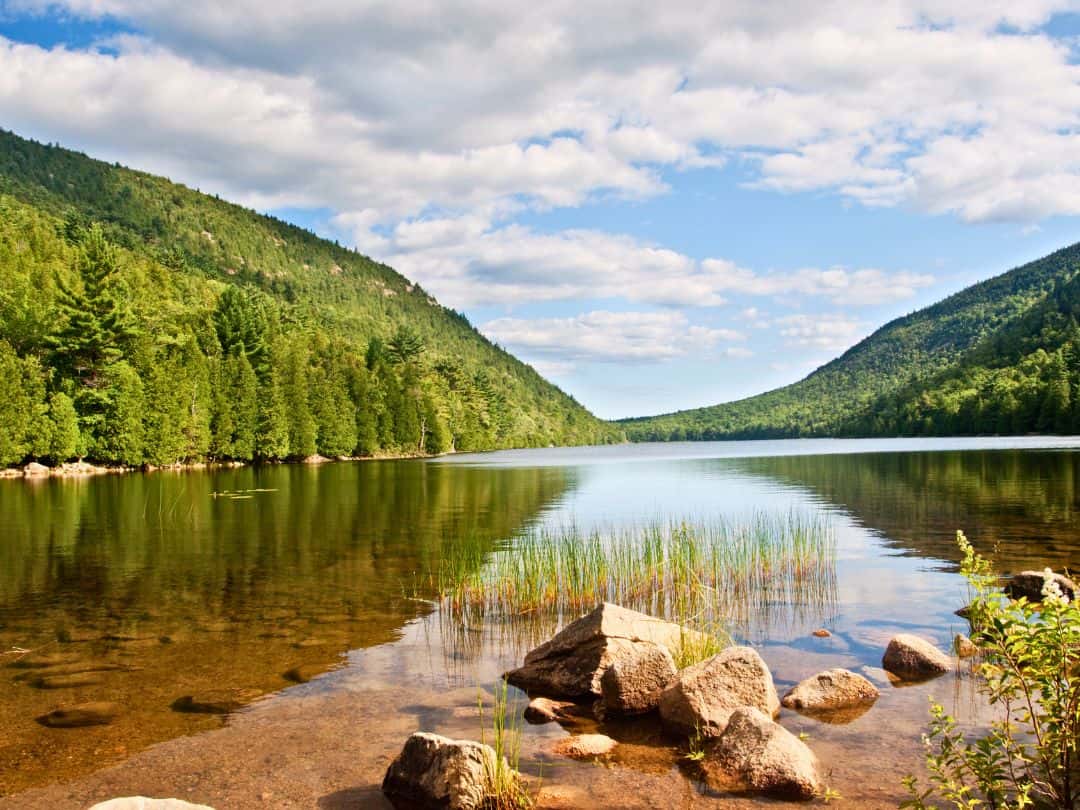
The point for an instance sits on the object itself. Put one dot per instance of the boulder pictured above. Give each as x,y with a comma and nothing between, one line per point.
585,746
912,658
98,713
436,772
571,664
1030,584
633,683
34,469
964,646
544,710
702,697
763,756
143,803
830,690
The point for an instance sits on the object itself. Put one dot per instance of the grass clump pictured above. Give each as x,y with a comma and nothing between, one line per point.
709,576
507,790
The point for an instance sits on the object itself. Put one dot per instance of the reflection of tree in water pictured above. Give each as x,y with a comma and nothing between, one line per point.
1018,507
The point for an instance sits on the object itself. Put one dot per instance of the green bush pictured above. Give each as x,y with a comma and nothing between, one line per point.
1030,660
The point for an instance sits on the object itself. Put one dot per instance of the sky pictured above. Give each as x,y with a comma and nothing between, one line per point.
658,205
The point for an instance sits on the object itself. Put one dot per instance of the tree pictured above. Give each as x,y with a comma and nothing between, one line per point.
295,382
65,441
118,435
272,440
241,322
94,325
23,409
333,409
405,346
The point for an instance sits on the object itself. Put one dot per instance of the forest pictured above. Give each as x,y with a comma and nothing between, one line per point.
1000,357
145,323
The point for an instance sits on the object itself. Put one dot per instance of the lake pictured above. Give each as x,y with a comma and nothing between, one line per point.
302,597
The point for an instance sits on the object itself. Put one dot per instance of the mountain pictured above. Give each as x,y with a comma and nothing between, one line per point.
144,322
1002,356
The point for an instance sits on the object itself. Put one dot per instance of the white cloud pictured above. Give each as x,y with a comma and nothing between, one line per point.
388,110
614,337
834,332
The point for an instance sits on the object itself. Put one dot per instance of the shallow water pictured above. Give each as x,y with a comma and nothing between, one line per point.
220,582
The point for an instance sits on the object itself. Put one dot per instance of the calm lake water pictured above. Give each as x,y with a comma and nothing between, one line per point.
221,584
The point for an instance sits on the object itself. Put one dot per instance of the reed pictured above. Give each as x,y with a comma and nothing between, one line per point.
507,790
713,577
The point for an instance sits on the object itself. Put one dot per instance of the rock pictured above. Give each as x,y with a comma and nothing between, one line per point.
633,683
436,772
1030,584
821,632
304,673
763,756
143,803
215,702
66,681
570,664
544,710
43,660
77,668
831,690
964,646
33,469
912,658
964,612
98,713
702,697
585,746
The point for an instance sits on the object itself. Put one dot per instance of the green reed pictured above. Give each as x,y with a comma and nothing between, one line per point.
507,790
707,575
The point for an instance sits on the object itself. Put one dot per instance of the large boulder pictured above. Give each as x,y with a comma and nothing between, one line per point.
1030,584
702,697
571,664
912,658
144,803
633,683
436,773
34,469
761,756
829,691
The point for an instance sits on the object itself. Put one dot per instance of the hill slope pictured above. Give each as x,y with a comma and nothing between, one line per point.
142,321
968,364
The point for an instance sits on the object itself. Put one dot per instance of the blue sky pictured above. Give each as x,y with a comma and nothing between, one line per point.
660,208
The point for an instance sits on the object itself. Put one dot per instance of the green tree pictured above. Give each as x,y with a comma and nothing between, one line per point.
272,440
118,436
295,385
405,346
241,322
65,441
94,325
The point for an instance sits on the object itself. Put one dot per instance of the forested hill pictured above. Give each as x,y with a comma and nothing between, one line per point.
144,322
1002,356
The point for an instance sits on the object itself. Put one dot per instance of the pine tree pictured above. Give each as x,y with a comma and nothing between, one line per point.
22,406
272,440
241,322
94,326
405,346
333,409
243,388
295,382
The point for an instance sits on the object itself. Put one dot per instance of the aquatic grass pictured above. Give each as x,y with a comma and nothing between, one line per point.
715,577
507,790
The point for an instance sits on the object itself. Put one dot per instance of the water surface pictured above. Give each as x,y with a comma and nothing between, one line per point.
221,582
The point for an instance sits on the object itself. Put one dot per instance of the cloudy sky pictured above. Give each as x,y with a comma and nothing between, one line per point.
659,205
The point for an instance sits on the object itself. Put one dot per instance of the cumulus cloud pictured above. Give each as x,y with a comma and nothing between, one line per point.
834,332
388,110
613,337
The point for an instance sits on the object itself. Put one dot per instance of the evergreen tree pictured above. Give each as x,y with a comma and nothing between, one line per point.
65,440
333,409
93,324
118,435
242,327
405,346
22,406
272,440
295,383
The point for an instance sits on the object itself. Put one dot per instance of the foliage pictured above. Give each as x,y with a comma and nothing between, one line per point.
1030,656
507,789
183,328
1002,356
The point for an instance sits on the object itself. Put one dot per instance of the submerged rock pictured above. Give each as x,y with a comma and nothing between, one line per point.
831,690
215,702
912,658
436,772
821,632
42,660
303,673
144,803
763,756
46,681
1030,584
585,746
98,713
702,697
571,664
632,685
544,710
